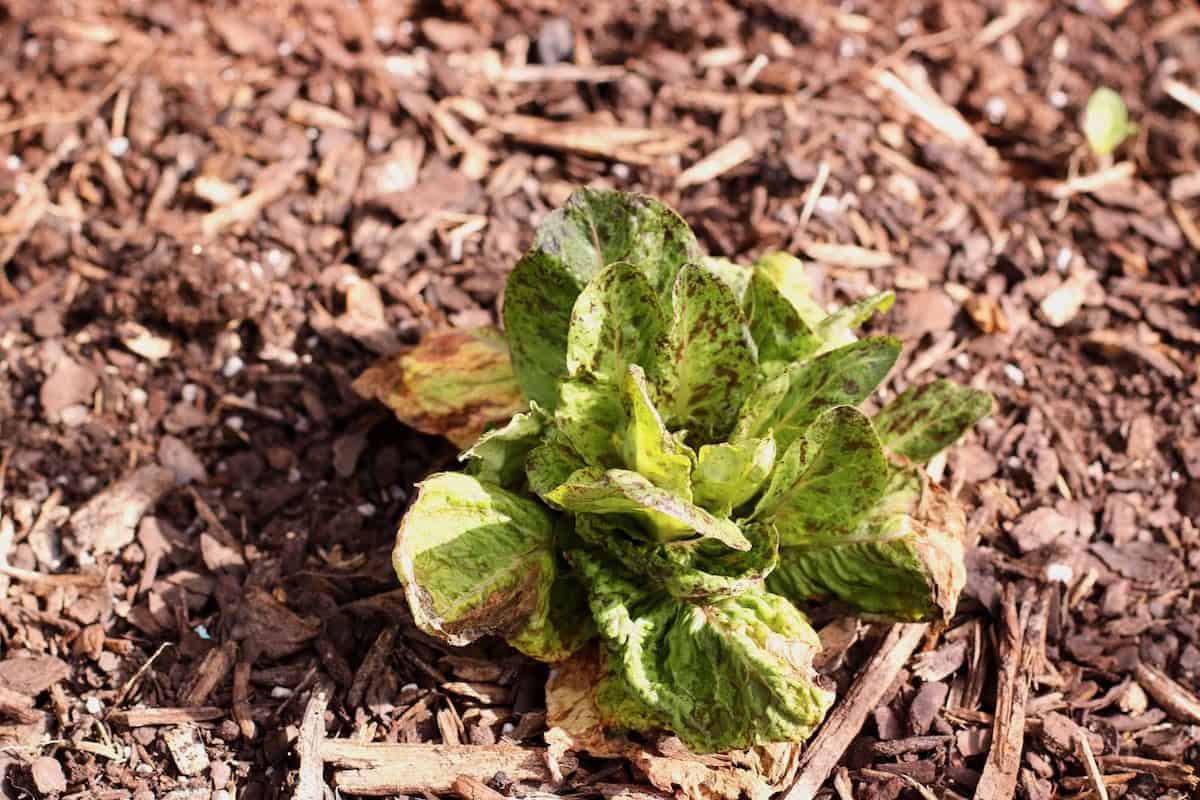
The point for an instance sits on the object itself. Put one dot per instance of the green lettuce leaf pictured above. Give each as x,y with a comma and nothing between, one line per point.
666,516
731,673
649,449
478,560
589,416
712,353
927,419
787,273
551,464
617,322
827,479
837,329
779,332
904,560
732,274
730,473
595,228
700,569
499,455
845,376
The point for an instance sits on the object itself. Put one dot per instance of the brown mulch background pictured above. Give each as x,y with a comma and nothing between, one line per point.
212,218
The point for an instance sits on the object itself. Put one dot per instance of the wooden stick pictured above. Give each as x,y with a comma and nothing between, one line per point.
139,717
717,163
310,783
208,676
388,769
1021,651
846,720
1093,769
1183,94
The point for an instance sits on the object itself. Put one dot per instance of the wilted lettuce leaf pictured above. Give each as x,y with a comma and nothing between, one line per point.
779,332
904,559
730,473
700,569
648,447
845,376
566,625
827,479
551,464
595,228
617,322
713,360
730,673
667,517
927,419
453,384
475,559
499,455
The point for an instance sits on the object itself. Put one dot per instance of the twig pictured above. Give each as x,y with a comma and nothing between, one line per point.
470,788
1169,772
1089,763
388,769
1021,652
846,720
847,255
1092,182
241,693
310,784
212,670
132,683
1177,701
814,194
373,663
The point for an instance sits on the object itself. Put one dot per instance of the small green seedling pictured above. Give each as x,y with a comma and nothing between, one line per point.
690,467
1106,121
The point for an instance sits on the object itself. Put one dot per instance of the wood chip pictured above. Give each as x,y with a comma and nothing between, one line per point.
642,146
48,777
186,749
1183,94
310,784
1022,644
847,255
846,720
141,717
387,769
209,674
718,162
108,521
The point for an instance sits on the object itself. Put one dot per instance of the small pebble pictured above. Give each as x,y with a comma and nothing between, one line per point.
1060,573
93,706
996,110
138,396
13,162
118,146
235,423
367,510
233,365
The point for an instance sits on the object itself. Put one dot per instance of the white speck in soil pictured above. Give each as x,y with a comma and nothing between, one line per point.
118,146
233,365
1014,374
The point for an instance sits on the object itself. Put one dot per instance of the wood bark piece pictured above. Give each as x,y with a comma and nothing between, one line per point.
310,784
108,521
208,676
1169,772
374,663
241,699
17,706
847,718
386,769
474,789
139,717
717,163
1023,639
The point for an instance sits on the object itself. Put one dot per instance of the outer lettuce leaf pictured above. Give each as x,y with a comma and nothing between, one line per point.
453,384
566,626
729,474
732,673
499,455
667,516
734,275
703,569
617,322
779,332
551,464
827,479
478,560
925,420
845,376
904,560
712,353
648,447
595,228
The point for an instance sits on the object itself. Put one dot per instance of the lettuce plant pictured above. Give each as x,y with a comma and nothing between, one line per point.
691,465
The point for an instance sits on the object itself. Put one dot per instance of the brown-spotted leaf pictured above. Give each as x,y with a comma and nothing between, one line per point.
453,383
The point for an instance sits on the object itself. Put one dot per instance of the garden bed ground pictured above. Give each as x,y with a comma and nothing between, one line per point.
215,216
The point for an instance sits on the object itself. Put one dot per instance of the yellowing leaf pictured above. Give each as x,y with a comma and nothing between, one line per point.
453,384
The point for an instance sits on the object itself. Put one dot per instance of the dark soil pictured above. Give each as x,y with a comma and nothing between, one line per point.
212,219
